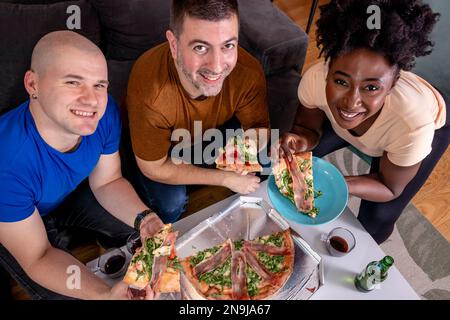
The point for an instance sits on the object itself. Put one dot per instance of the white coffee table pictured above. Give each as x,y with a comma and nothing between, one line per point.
338,272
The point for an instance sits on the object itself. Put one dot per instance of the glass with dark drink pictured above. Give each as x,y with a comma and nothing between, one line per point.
340,241
113,263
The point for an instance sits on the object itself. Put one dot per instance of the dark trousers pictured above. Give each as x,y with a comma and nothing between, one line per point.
79,213
378,218
168,201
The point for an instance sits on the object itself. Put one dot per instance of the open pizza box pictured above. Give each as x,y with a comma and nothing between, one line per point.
248,218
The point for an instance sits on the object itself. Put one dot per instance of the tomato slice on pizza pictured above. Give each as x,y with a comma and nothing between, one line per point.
155,264
242,270
239,155
295,181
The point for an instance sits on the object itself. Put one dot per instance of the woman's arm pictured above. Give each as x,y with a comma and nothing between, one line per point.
385,185
308,123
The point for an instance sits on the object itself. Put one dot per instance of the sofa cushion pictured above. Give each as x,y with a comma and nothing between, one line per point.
118,74
34,1
29,23
132,26
271,36
283,99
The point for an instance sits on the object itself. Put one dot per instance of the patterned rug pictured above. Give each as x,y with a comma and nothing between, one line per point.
421,253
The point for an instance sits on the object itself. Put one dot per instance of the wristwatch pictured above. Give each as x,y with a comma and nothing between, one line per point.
140,216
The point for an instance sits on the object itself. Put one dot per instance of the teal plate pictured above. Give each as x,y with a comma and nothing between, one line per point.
327,179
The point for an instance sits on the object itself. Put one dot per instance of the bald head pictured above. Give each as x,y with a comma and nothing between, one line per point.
54,44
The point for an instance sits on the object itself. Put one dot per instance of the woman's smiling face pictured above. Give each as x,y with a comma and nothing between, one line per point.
357,85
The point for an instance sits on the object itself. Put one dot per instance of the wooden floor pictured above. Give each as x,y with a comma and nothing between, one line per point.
433,199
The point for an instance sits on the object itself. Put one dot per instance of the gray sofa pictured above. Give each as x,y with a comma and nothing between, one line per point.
435,67
124,29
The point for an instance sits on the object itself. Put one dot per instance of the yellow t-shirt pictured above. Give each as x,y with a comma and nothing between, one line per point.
405,126
157,104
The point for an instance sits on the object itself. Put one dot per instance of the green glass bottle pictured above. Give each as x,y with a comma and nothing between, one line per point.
375,273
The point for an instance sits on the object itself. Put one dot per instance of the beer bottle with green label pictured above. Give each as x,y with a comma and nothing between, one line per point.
375,273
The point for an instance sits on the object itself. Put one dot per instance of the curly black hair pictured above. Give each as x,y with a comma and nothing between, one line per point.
403,36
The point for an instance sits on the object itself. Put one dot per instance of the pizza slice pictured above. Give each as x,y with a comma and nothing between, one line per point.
242,270
239,155
209,271
271,261
295,181
155,264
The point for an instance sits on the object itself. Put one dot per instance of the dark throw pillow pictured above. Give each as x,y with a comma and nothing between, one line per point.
133,26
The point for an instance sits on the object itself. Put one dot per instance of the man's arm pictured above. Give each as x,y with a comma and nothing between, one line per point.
114,193
165,171
27,241
385,185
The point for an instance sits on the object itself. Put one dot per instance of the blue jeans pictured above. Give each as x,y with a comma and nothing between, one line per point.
169,201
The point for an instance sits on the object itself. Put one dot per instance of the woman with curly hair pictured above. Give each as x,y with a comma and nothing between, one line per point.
365,95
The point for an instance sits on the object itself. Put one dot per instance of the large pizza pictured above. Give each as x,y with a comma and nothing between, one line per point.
242,270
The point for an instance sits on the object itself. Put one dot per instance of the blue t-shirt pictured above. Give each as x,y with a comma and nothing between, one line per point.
35,175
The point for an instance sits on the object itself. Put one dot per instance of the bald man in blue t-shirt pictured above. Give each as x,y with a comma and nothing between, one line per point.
68,131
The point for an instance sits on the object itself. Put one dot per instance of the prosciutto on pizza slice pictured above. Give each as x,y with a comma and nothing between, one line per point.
155,264
295,181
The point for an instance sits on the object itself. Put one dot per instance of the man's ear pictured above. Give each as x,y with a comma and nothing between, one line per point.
30,81
172,43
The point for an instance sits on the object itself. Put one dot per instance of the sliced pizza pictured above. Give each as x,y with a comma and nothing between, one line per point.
239,155
242,270
295,181
155,264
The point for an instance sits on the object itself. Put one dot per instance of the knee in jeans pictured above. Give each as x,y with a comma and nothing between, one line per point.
172,209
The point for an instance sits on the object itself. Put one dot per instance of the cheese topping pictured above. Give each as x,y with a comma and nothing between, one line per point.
161,251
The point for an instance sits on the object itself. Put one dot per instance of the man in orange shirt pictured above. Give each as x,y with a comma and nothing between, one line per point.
200,74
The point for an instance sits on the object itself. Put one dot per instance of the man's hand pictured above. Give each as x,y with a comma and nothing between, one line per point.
150,225
291,143
241,183
120,291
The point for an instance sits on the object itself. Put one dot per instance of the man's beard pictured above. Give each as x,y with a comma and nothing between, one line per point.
205,90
